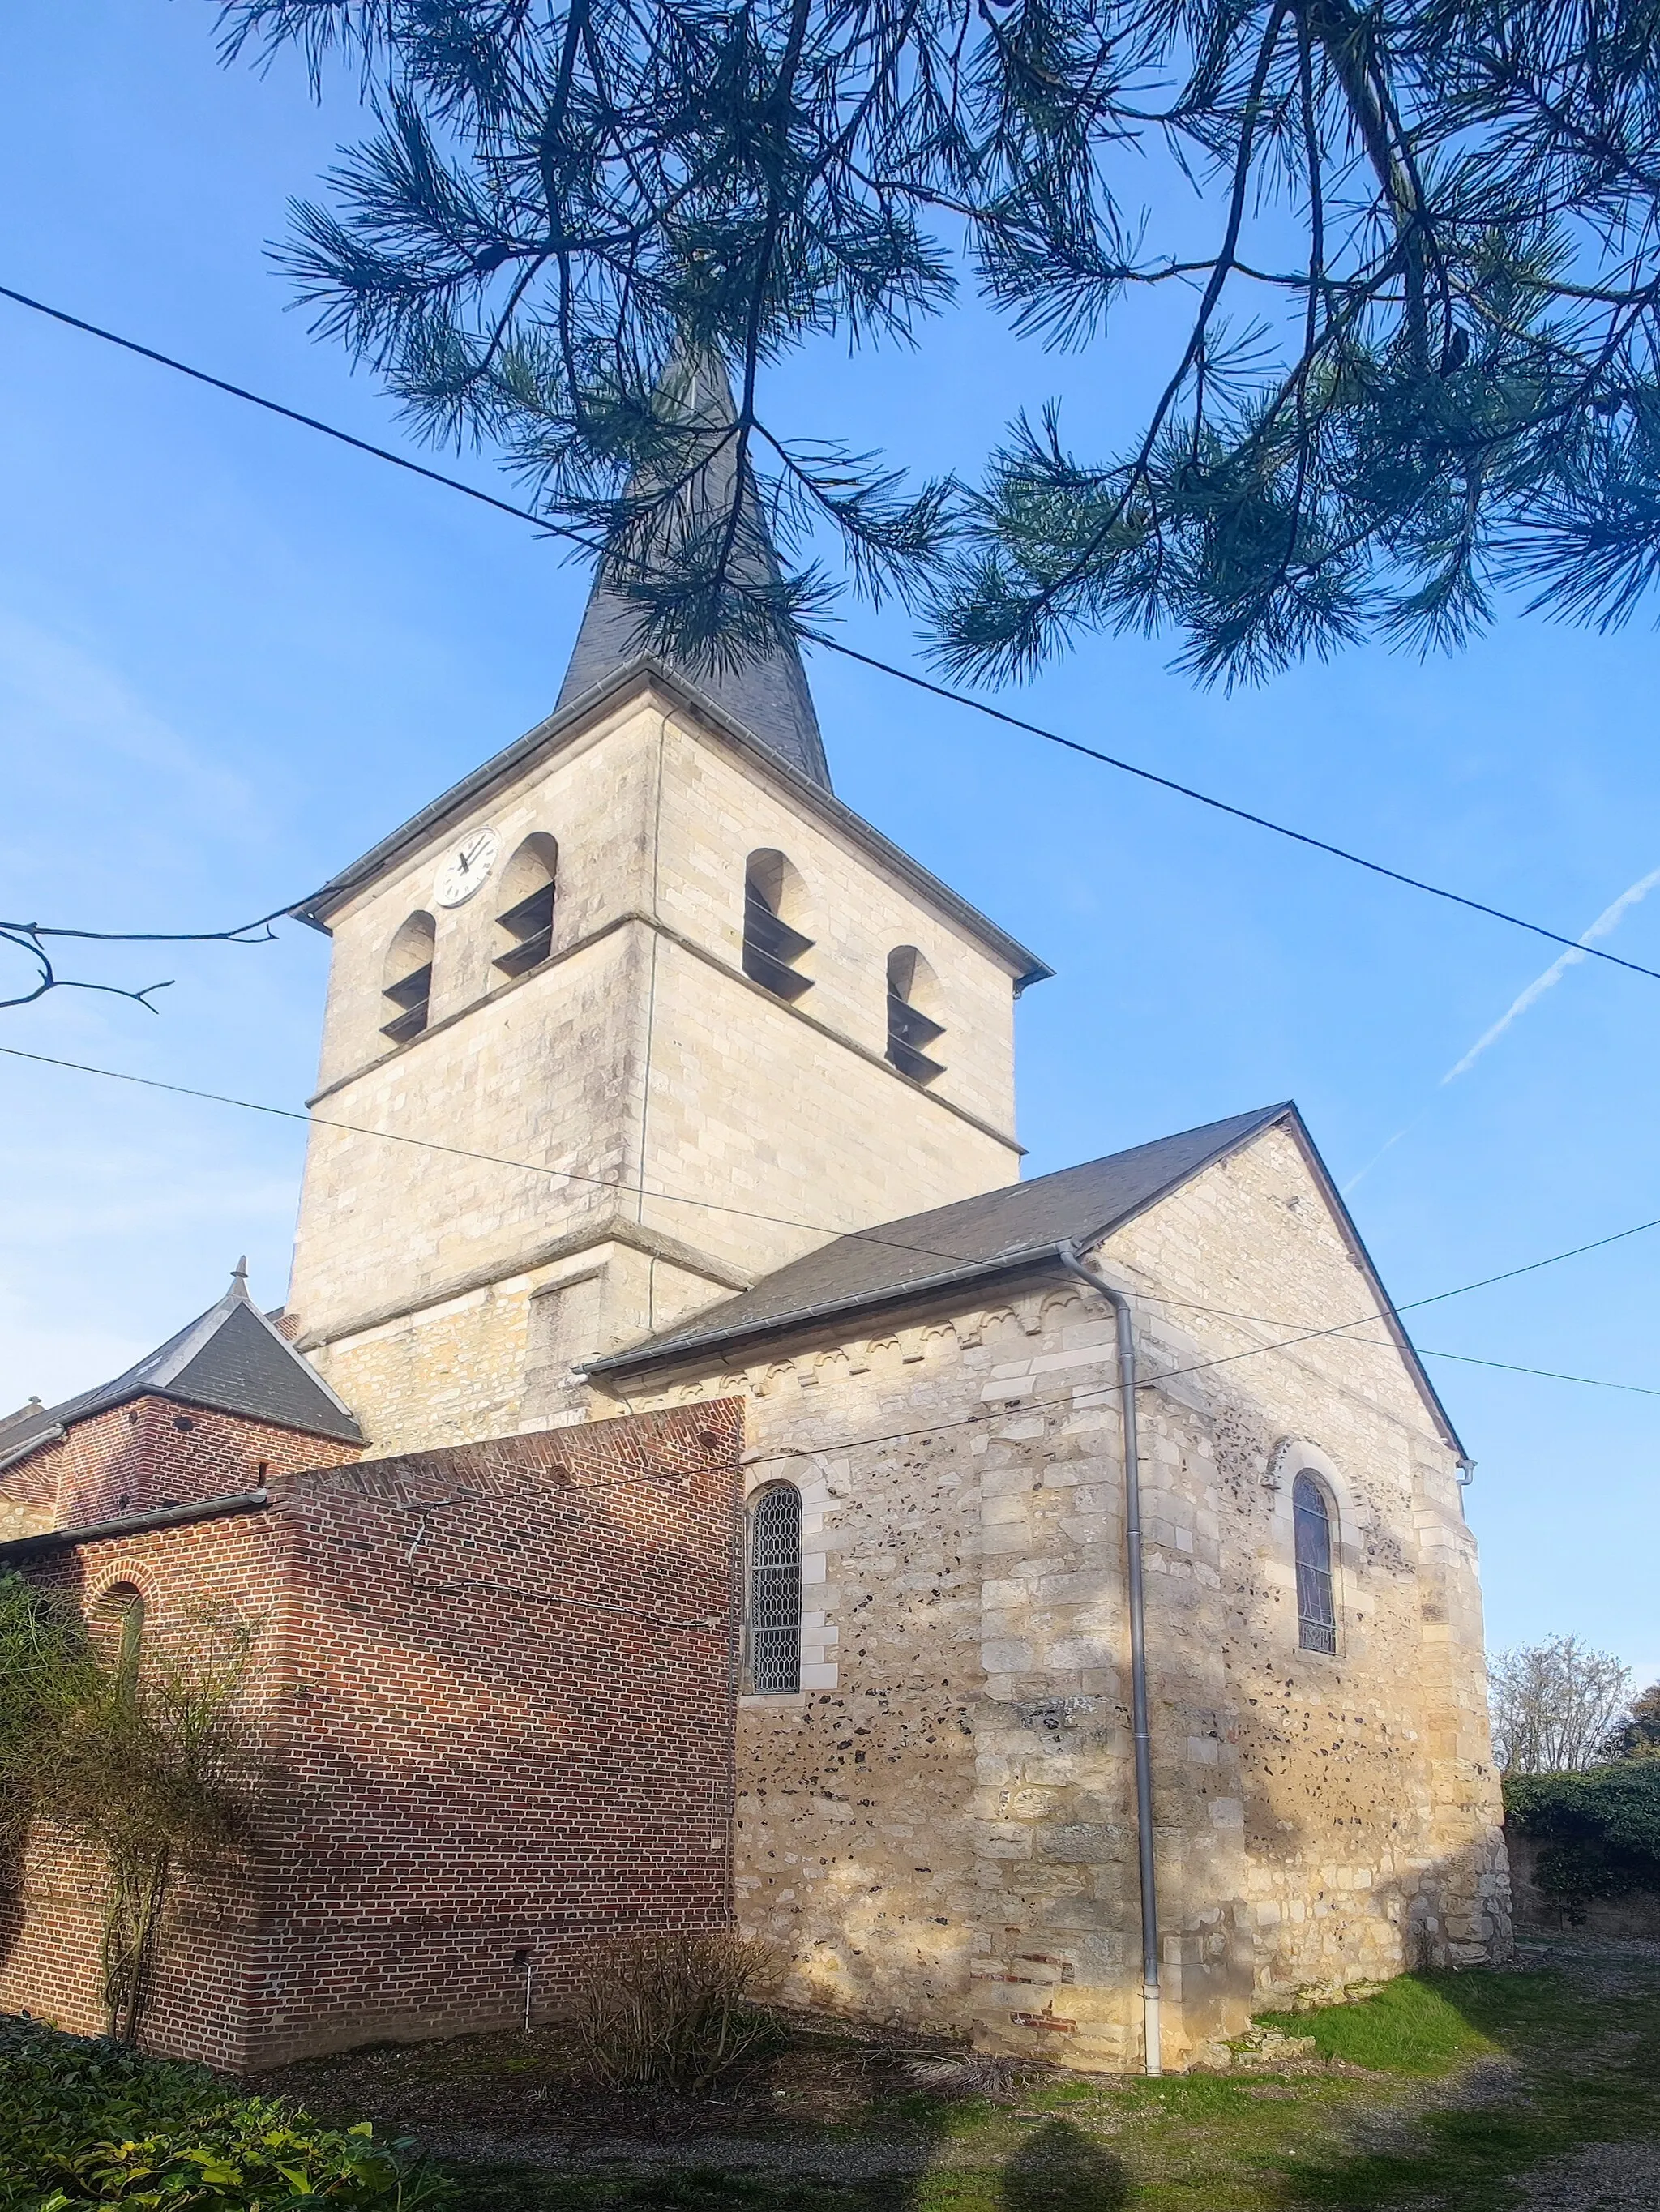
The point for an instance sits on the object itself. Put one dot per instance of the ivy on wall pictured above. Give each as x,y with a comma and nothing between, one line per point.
1599,1830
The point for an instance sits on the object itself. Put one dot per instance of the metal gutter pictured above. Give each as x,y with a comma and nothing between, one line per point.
650,1354
133,1524
1151,2061
53,1434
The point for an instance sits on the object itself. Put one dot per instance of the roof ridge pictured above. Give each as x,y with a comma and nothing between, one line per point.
873,1266
166,1372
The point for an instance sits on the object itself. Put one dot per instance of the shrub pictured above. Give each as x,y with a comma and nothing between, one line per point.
85,2126
1601,1829
142,1754
669,2010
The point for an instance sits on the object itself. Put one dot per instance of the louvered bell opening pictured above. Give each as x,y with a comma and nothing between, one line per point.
771,948
412,995
530,924
908,1032
775,1593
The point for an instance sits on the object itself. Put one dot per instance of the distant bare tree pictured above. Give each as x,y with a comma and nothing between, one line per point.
1637,1734
1555,1705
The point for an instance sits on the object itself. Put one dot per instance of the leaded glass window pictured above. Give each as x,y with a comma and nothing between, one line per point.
775,1590
1317,1615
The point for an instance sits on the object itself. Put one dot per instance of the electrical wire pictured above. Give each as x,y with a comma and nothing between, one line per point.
927,1251
550,528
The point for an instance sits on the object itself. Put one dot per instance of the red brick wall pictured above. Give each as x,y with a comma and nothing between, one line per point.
49,1924
500,1690
157,1452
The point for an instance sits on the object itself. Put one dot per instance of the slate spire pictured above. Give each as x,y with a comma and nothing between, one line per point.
769,696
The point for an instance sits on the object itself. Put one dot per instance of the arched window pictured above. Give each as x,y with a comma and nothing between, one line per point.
118,1629
775,1590
913,999
527,915
772,893
1316,1612
408,985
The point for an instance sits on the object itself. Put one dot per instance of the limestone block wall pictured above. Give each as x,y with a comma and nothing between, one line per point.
941,1826
596,796
547,1075
720,805
754,1106
497,1357
638,1073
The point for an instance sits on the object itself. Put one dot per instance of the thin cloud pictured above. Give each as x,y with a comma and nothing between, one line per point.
1605,924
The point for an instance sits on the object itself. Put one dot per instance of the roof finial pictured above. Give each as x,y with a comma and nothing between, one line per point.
238,1277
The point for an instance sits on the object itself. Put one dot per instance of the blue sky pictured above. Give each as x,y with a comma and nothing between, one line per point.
231,656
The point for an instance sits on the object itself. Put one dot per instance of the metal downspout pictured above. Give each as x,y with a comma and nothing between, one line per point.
1068,1255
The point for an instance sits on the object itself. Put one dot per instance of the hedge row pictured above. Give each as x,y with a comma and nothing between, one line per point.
1600,1829
86,2125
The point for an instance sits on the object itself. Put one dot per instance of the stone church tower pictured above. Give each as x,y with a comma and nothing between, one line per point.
651,1074
679,1012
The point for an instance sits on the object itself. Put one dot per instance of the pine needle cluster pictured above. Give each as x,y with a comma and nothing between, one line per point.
1415,364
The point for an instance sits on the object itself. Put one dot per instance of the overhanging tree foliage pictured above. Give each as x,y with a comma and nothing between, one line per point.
1419,362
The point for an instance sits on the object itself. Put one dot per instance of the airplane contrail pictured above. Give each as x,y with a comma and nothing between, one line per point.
1608,920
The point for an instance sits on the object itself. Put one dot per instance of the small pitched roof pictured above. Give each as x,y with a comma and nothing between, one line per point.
998,1233
229,1360
768,696
993,1233
26,1430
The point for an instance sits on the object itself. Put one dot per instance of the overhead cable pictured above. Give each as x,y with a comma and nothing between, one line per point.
549,527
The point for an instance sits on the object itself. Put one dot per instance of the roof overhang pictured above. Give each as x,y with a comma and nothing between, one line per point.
643,676
131,1524
697,1351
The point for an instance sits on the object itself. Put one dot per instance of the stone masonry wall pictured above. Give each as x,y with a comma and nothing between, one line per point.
639,1057
940,1827
494,1698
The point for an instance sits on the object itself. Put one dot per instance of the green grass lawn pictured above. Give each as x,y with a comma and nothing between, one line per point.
1578,2048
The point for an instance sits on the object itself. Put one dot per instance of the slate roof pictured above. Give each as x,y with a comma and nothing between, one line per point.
992,1234
768,698
998,1233
230,1360
26,1430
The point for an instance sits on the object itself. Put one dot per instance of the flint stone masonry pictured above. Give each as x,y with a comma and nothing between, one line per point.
493,1698
940,1828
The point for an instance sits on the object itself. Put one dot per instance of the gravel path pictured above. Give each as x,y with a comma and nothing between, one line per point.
1620,2177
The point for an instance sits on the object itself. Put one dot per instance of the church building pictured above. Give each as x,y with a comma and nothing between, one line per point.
1104,1659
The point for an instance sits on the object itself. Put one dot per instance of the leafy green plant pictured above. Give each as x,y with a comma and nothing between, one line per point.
674,2010
91,2124
46,1671
1601,1829
145,1757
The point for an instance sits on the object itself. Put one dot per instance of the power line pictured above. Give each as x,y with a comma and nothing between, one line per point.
1027,1406
927,1251
550,528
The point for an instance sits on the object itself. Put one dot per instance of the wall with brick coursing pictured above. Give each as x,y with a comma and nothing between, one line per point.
940,1827
495,1693
156,1451
50,1917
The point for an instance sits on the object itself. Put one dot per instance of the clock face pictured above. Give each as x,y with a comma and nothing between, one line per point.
466,867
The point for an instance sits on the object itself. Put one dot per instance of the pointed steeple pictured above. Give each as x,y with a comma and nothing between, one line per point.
769,696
